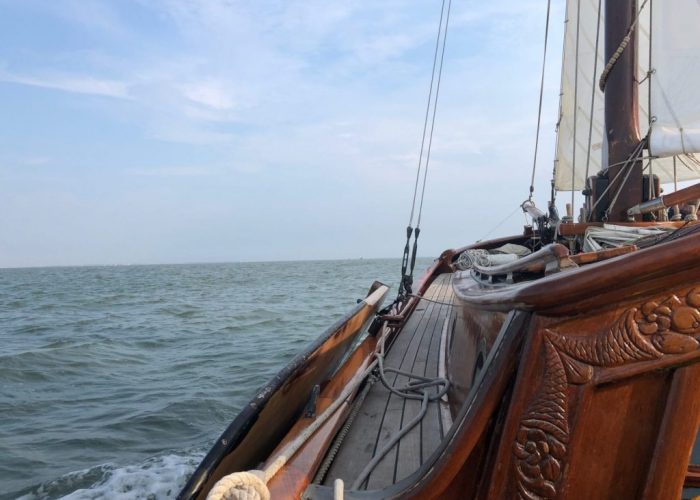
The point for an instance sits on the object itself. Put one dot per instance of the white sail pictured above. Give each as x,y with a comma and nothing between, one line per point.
577,84
574,167
675,78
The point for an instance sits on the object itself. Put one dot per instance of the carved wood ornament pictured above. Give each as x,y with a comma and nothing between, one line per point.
656,331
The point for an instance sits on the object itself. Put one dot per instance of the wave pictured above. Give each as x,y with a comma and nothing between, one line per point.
158,477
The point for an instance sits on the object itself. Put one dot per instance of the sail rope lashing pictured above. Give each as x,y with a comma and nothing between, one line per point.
408,263
620,49
539,107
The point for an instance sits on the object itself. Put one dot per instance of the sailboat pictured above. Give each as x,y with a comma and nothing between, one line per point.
557,363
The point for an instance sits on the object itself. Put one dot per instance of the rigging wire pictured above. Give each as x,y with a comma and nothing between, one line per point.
573,161
517,209
539,108
650,70
408,256
593,92
588,214
427,114
560,114
432,125
634,157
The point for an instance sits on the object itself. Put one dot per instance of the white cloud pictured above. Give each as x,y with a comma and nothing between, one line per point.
174,171
72,83
211,94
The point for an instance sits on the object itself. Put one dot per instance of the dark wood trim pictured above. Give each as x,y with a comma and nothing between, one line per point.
676,437
692,476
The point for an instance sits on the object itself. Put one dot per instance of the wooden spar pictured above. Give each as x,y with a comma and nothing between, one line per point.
691,193
621,110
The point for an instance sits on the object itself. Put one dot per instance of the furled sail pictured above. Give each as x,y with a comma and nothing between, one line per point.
574,160
675,78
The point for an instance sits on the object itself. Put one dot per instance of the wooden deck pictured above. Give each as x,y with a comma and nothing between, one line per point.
415,350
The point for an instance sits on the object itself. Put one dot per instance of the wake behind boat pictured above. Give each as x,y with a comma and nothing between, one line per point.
558,363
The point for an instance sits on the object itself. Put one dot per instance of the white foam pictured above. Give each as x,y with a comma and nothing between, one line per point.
156,478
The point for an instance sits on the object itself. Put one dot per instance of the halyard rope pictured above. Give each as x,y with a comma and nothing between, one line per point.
620,49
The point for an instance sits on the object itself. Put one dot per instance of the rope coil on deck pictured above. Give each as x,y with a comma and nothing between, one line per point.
245,485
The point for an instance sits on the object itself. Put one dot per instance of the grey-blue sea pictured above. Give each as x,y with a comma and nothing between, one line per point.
115,381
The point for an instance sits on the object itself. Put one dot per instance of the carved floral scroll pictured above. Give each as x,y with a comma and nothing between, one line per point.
654,331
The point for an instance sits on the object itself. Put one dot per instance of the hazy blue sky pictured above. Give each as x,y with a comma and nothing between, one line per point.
157,131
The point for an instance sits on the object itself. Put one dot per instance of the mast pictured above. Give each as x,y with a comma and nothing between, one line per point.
622,110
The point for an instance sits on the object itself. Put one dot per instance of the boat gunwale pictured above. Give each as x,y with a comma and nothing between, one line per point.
246,418
595,285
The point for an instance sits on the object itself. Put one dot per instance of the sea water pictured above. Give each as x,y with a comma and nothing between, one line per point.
115,381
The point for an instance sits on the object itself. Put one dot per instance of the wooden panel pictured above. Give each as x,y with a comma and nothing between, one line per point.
583,409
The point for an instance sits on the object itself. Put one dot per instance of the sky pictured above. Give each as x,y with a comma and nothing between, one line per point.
174,131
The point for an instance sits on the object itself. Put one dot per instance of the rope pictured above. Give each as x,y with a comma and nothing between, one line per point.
539,108
421,297
241,486
620,49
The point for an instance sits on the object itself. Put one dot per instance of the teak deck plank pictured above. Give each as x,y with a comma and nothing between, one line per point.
431,434
409,450
416,350
384,472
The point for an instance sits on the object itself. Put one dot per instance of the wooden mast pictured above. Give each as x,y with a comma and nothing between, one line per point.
622,109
